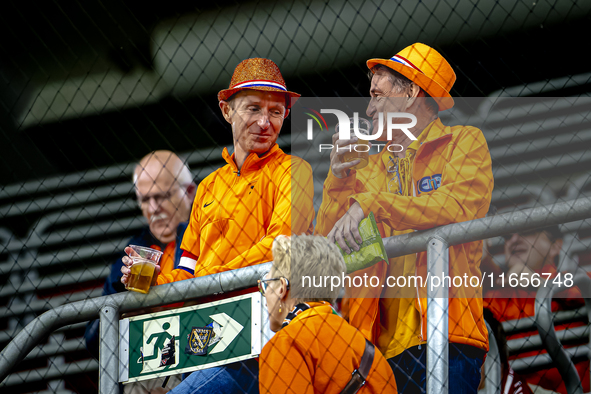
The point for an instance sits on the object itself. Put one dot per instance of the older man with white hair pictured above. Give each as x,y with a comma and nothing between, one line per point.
165,190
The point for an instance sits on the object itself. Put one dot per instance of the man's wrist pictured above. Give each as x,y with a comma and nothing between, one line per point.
354,202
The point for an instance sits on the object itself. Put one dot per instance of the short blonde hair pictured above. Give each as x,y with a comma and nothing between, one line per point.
308,256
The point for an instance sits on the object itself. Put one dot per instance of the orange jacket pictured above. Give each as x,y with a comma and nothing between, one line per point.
317,353
452,182
236,215
167,259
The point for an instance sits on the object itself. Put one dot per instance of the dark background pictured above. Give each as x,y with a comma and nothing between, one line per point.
43,41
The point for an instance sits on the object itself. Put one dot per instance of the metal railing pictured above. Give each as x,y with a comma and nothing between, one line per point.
549,337
492,365
436,241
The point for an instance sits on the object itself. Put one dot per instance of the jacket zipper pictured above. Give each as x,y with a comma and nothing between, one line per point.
421,337
230,188
225,193
238,172
414,193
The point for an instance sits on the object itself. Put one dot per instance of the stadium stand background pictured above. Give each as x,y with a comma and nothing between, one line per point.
88,88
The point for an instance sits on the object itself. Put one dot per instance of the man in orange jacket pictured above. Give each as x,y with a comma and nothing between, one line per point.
240,208
440,176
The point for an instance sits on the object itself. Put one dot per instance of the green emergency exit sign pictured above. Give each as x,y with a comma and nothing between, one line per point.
191,338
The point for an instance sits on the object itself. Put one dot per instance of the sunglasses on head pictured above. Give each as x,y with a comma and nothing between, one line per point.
263,284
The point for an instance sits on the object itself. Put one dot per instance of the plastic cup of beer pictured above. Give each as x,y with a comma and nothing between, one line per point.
360,150
142,268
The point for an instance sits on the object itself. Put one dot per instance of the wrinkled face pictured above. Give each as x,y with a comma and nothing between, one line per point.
256,118
533,249
386,98
163,201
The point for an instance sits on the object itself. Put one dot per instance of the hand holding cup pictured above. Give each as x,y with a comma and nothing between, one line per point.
140,267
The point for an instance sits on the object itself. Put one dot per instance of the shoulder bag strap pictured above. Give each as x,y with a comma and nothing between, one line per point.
359,376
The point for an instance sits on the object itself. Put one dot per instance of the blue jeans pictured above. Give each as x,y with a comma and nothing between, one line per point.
465,361
239,378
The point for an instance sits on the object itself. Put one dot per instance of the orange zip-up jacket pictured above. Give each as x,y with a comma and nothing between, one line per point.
317,353
236,215
452,182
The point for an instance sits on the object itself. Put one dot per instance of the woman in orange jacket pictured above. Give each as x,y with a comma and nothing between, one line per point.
314,350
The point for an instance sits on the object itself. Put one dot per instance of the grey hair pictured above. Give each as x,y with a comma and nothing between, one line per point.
402,83
309,256
399,81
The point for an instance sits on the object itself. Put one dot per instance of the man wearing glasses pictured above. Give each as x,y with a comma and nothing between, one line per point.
165,191
443,176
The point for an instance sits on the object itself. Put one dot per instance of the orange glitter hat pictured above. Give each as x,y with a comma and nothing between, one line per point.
257,74
427,68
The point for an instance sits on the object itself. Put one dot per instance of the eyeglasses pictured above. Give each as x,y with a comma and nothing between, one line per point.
263,284
159,198
395,182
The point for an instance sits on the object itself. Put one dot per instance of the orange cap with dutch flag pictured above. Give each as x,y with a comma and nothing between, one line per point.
427,68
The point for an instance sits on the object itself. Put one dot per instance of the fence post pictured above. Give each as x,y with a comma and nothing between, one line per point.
109,350
437,318
492,365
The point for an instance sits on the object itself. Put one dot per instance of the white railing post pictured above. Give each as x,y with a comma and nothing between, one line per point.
109,350
492,365
437,318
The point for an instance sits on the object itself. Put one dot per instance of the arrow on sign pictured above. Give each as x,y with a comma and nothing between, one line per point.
230,330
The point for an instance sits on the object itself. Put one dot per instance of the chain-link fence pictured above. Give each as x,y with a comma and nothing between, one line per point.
91,88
